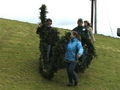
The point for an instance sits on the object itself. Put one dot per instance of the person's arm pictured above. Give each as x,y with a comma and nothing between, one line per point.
37,32
80,49
91,34
39,28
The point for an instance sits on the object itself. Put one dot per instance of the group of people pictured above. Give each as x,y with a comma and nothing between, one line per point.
74,49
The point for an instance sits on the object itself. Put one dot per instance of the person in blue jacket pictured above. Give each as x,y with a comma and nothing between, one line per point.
74,50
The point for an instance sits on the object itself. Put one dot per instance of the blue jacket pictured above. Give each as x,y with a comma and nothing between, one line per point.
73,48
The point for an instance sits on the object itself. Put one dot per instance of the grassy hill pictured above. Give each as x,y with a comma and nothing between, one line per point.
19,62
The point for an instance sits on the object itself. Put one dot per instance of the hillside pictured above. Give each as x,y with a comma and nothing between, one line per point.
19,62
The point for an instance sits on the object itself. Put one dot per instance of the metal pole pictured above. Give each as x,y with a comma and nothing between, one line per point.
92,11
95,16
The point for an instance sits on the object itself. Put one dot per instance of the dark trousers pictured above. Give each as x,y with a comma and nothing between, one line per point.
72,77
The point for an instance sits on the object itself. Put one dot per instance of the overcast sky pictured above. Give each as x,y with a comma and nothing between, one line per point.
64,13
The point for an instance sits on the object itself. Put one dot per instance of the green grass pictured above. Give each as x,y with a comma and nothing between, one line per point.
19,62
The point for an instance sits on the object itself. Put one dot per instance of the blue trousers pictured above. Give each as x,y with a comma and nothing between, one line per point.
72,77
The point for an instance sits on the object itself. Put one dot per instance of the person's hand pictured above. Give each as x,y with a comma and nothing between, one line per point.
78,56
40,25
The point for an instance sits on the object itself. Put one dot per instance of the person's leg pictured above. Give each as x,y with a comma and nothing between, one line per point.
72,73
69,74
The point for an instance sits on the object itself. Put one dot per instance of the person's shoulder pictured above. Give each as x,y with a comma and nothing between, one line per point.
78,41
90,27
82,26
74,29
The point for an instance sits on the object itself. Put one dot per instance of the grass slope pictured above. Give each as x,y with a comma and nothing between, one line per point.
19,62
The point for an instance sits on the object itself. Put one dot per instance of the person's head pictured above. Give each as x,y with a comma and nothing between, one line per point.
74,34
80,22
39,24
86,23
48,22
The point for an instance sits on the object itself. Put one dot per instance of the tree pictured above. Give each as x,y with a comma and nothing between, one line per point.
43,13
50,36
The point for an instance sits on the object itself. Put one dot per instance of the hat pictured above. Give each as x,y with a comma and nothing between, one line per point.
48,20
80,20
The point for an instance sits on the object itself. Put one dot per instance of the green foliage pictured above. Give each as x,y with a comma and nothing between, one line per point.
43,13
52,49
56,62
48,37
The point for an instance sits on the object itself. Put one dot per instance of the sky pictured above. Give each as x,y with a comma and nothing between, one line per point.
65,13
